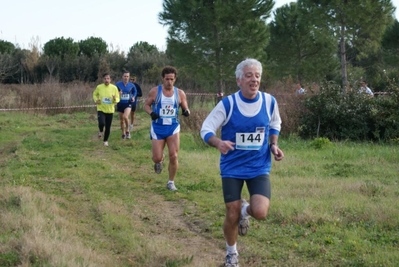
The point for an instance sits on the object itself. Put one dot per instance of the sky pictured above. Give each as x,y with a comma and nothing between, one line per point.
120,23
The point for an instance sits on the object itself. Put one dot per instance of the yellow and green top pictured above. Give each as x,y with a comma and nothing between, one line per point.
105,94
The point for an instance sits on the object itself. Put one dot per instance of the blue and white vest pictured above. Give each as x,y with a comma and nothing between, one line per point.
249,130
166,107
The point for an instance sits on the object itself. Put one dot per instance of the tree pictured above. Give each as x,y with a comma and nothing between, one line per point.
298,48
116,64
210,37
382,67
390,45
143,56
50,64
6,47
357,23
88,68
8,66
61,47
143,47
92,46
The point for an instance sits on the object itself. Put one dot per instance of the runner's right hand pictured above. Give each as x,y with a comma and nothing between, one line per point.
154,116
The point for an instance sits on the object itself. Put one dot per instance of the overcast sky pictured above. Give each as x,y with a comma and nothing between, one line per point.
120,23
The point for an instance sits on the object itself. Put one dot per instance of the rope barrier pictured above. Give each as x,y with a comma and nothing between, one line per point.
44,108
86,106
202,94
92,106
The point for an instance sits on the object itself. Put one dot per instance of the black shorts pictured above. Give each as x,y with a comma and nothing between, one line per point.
120,107
232,187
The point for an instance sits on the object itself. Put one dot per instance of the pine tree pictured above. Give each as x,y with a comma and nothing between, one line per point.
211,36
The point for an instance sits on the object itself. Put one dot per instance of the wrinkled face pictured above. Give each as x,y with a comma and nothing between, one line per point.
250,82
107,79
169,80
125,77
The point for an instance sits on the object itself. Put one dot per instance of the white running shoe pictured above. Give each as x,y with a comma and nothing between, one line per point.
231,260
106,143
243,224
171,186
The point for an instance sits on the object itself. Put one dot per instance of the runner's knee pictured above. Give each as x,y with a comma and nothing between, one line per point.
173,157
259,213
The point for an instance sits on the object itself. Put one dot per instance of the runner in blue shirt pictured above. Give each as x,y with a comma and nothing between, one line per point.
162,104
250,125
127,92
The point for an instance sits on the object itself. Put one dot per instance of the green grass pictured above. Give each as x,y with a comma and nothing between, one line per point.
66,200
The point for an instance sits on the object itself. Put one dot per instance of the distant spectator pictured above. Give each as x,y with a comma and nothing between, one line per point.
365,89
299,89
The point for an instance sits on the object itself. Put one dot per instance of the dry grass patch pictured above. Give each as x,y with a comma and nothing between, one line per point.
45,235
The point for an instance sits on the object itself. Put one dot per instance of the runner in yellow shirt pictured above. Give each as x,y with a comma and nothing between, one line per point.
105,95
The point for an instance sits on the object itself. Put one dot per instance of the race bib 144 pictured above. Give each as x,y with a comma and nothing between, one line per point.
250,141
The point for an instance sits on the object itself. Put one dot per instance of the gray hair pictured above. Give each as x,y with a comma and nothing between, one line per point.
249,62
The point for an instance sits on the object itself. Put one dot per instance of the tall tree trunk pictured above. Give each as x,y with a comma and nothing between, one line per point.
344,75
220,82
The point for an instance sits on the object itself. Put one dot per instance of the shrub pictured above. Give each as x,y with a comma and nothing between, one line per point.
335,114
320,143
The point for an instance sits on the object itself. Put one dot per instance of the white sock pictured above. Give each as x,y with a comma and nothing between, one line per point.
171,182
244,212
231,249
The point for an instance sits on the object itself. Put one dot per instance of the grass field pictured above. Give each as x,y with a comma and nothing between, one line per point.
66,200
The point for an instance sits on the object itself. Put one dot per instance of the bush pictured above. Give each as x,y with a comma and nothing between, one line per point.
320,143
335,114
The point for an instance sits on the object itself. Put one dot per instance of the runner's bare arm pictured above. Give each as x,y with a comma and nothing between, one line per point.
183,102
150,99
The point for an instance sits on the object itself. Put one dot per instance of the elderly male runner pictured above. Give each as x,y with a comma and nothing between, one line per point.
250,124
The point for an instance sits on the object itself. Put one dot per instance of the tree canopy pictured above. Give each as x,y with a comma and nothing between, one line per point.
356,23
92,46
297,48
210,37
61,47
308,40
6,47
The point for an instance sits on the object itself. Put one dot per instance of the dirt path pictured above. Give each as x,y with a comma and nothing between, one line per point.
168,227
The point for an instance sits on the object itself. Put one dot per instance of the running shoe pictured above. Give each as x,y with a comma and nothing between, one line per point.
127,135
231,260
158,167
171,186
243,225
123,136
100,134
106,143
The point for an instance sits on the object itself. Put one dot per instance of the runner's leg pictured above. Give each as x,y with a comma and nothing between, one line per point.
173,143
108,123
